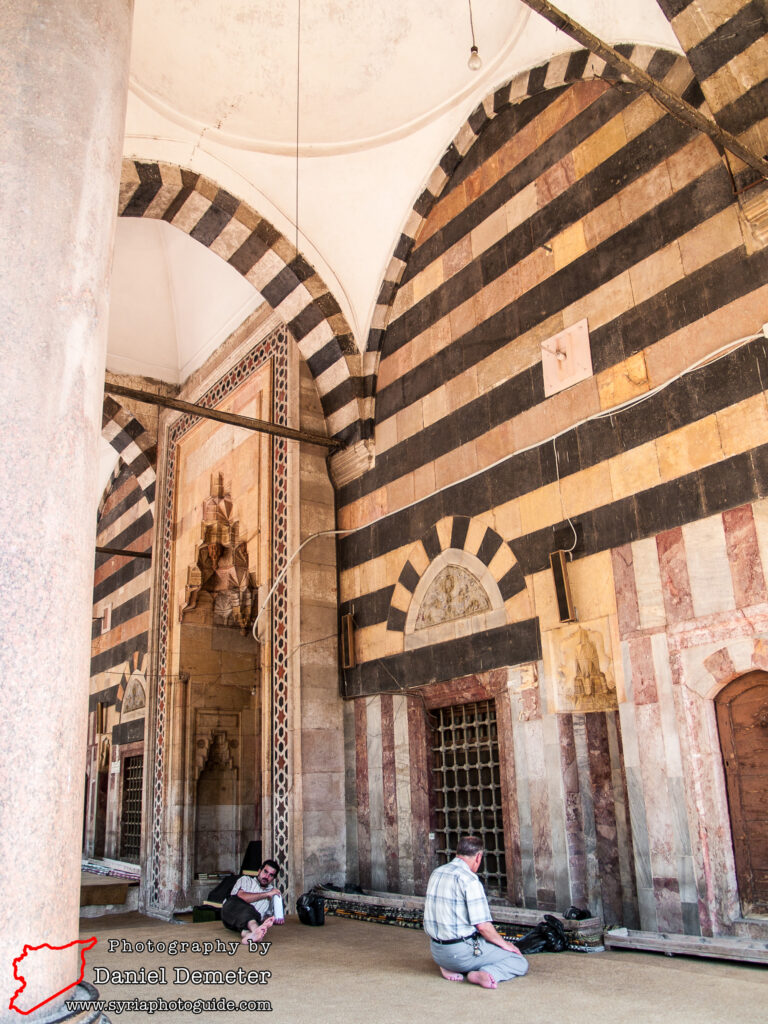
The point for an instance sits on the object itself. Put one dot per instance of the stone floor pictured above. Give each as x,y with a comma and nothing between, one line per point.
351,972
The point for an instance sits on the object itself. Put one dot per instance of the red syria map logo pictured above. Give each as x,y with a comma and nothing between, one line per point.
42,961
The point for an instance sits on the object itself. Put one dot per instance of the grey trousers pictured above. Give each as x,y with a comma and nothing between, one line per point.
499,963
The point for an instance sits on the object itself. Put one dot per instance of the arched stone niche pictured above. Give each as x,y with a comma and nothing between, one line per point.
456,596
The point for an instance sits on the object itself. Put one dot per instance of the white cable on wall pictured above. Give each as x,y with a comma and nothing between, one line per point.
281,575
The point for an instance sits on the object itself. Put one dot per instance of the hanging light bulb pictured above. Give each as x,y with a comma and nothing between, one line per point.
475,61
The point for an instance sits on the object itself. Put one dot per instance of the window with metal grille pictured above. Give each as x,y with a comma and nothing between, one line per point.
466,787
130,821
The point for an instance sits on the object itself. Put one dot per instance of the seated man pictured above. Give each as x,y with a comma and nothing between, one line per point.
458,921
254,904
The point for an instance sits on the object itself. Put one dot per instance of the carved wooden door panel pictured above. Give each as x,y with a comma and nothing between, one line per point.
742,718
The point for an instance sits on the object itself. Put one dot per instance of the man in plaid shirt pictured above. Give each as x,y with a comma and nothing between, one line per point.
458,922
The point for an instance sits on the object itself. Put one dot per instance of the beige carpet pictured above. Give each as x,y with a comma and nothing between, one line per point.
350,972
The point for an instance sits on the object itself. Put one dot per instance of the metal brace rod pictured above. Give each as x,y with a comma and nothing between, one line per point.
669,100
123,551
261,426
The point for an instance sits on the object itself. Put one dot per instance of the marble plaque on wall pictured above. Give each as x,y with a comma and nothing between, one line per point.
579,664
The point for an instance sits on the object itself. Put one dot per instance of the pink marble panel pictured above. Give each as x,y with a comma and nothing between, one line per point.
662,839
601,780
643,671
574,821
363,807
418,754
465,690
675,582
720,666
741,544
760,655
511,815
389,784
626,591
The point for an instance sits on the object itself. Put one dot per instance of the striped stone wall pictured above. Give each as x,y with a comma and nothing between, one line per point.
585,201
120,628
727,46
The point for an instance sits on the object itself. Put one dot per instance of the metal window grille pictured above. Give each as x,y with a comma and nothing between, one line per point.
466,787
130,822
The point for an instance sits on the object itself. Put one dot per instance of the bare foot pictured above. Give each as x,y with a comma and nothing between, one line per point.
451,975
268,922
254,934
483,979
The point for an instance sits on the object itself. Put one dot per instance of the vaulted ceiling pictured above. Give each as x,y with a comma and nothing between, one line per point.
325,116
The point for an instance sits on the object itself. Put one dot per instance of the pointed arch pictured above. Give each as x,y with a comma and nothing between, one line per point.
562,70
288,283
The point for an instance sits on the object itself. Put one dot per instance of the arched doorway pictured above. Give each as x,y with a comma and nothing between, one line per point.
742,719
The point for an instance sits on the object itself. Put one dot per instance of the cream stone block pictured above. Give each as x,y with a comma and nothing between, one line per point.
409,422
708,241
709,570
603,143
394,562
475,535
586,490
506,520
592,586
488,232
430,278
317,338
265,269
540,508
656,273
501,562
401,598
743,426
373,642
743,72
192,209
569,245
230,239
634,470
444,529
418,558
626,380
522,206
650,597
519,607
689,448
545,599
386,434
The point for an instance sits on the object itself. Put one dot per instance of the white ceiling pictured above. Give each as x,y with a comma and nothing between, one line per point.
173,302
382,90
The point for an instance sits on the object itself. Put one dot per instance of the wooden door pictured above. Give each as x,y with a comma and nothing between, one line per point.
742,718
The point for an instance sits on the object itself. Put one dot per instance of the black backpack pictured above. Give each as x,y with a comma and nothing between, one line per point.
547,937
310,907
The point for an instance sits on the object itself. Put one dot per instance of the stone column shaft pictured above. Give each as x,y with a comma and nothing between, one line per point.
63,83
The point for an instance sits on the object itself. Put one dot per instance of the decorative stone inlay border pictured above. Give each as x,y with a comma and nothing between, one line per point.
274,347
249,243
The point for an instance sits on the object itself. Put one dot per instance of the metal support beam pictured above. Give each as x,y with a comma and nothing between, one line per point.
123,551
247,422
669,100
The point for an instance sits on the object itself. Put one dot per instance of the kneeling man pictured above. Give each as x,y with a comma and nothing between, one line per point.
254,904
458,921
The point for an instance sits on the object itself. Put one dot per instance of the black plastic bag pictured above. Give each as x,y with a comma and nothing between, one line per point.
310,907
548,936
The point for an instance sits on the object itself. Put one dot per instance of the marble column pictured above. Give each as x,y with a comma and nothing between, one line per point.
63,82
